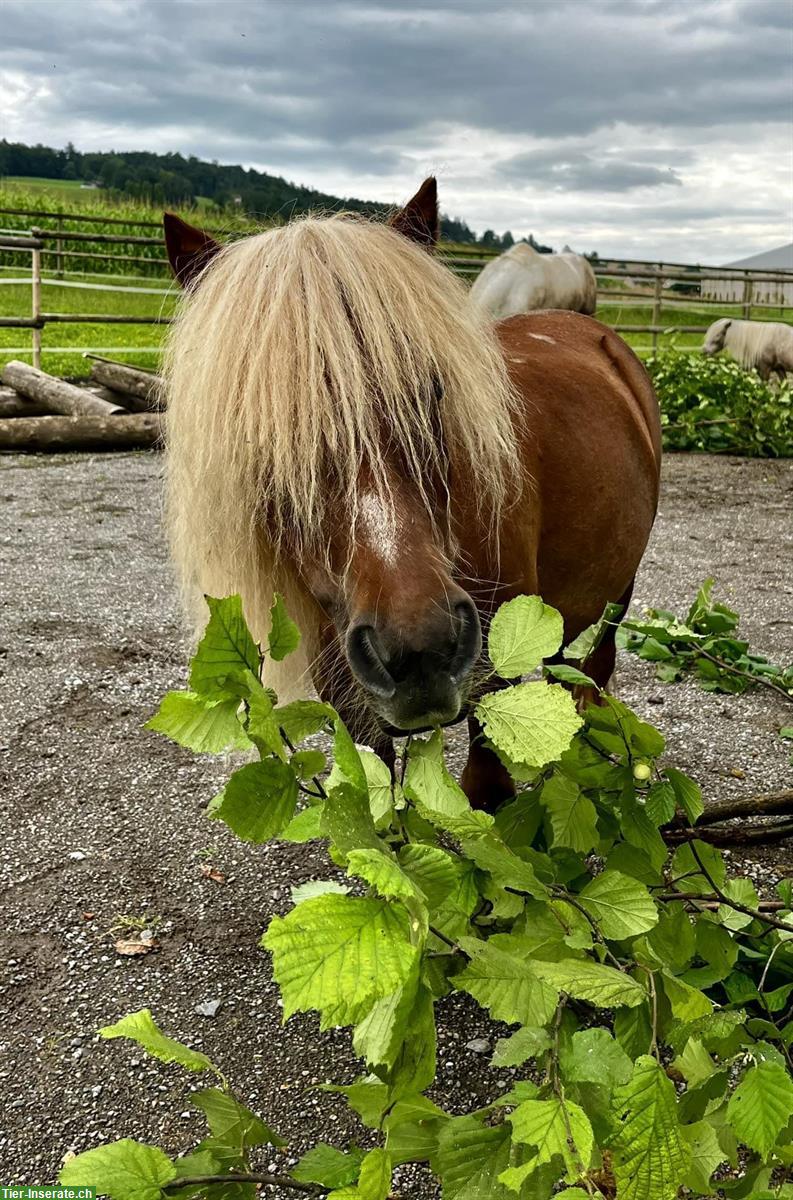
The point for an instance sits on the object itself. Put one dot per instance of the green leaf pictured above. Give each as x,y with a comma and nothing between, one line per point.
525,1043
382,872
661,803
374,1180
591,637
506,985
687,793
571,814
346,758
508,869
684,863
567,674
533,723
412,1128
140,1027
328,1166
347,819
639,831
649,1153
614,727
307,763
259,800
284,635
226,649
761,1106
434,871
124,1170
380,785
379,1037
593,1056
302,718
469,1158
706,1156
429,785
542,1123
687,1003
673,938
208,727
262,725
232,1123
695,1064
523,632
317,887
586,980
621,906
305,826
339,954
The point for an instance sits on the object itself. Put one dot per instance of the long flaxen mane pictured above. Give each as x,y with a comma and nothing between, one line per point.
302,352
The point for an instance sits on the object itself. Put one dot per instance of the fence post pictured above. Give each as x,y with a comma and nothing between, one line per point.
35,290
748,289
657,304
59,249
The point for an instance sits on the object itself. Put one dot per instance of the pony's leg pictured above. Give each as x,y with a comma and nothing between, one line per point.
485,780
600,664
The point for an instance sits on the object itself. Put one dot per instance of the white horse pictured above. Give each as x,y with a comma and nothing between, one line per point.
765,345
521,280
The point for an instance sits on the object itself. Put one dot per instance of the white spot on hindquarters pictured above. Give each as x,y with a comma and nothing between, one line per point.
380,525
543,337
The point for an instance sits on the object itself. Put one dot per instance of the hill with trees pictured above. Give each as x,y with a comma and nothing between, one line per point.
179,180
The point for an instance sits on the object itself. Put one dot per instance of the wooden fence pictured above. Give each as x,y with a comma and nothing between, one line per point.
638,283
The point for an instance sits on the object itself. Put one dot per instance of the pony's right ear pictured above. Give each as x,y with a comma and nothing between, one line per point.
419,219
189,249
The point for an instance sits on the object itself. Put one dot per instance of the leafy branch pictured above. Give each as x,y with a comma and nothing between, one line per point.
560,914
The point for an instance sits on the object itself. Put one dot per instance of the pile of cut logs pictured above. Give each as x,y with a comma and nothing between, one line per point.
119,409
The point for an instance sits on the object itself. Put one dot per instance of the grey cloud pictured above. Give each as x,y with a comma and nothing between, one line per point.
582,173
355,73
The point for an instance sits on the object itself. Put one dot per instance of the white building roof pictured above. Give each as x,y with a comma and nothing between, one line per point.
779,259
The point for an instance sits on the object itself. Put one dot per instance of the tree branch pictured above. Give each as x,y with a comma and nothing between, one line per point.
744,908
731,836
767,805
282,1181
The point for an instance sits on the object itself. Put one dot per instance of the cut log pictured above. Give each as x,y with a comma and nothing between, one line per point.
54,394
131,404
144,386
55,434
14,405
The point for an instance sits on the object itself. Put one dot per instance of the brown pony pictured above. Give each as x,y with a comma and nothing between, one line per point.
344,427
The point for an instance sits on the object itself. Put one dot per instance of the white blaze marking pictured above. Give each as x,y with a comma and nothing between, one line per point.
379,521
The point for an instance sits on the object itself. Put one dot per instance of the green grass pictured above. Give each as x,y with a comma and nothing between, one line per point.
38,184
129,341
136,344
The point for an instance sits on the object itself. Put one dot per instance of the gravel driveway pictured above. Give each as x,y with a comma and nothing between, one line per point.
104,822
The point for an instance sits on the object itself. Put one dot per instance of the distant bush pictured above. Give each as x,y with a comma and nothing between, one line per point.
713,404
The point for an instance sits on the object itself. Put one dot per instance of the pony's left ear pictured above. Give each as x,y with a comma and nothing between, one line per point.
419,220
189,249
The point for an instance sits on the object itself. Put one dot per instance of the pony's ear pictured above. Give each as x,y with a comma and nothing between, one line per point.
418,220
189,249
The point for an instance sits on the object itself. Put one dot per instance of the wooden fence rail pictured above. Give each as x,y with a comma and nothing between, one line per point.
650,280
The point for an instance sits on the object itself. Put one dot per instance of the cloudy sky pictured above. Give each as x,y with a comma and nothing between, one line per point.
662,128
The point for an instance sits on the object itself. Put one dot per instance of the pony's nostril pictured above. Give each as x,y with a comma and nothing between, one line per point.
469,640
366,663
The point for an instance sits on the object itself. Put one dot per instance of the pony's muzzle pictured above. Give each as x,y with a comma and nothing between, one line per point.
416,682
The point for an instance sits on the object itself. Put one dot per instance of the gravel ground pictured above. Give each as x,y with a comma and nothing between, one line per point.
104,821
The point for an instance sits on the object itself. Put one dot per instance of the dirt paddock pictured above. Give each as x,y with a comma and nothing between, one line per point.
104,822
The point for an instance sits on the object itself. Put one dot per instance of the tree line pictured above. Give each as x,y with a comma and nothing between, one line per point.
179,180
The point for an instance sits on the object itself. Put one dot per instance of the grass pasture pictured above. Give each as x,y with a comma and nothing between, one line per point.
63,344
